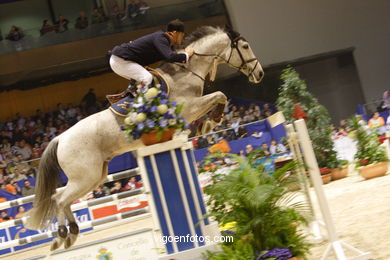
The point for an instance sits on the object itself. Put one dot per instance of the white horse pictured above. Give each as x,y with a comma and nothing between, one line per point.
84,150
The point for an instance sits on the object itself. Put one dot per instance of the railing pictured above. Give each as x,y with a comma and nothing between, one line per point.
153,17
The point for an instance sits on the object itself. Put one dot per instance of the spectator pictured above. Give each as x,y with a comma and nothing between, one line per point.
18,176
25,150
242,132
266,110
276,148
4,216
89,102
21,164
235,124
20,213
116,188
81,21
99,192
9,186
143,6
15,34
264,148
117,14
17,188
97,16
27,190
132,184
376,121
46,27
133,9
61,24
248,149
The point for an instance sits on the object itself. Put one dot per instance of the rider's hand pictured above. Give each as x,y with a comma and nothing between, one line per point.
189,51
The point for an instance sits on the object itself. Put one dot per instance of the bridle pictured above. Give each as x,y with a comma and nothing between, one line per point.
234,46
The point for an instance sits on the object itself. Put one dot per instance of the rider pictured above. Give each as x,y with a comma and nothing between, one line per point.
128,59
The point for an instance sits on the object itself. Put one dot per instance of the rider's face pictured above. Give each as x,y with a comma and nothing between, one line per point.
178,38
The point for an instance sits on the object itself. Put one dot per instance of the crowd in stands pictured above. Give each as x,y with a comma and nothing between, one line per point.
135,8
25,138
232,127
376,123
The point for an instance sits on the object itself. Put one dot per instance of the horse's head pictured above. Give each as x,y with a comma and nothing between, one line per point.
241,56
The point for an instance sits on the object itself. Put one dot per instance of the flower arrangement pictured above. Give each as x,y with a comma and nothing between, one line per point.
152,110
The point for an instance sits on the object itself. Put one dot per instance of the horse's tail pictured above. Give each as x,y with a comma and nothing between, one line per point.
44,207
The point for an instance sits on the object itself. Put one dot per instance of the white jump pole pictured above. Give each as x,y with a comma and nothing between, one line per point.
315,231
335,243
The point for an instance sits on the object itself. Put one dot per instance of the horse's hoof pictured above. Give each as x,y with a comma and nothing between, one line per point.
56,244
70,240
68,243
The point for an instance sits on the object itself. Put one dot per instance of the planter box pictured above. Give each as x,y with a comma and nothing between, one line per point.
339,173
326,178
373,170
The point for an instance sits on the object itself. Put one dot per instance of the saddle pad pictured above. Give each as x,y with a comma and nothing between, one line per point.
120,108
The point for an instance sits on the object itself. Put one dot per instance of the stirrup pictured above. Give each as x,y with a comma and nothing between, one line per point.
116,97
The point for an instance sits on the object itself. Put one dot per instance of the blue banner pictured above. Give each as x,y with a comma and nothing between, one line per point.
17,232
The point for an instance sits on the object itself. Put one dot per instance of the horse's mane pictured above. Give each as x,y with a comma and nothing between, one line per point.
200,33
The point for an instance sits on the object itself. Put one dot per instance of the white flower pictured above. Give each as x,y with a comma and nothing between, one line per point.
162,109
128,121
172,121
151,93
140,117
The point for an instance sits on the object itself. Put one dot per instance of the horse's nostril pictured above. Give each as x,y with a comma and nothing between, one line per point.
261,74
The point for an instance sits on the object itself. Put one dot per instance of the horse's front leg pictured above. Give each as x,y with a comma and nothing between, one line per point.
195,108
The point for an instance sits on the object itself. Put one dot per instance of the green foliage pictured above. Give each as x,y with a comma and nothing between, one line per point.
237,251
257,202
368,148
294,91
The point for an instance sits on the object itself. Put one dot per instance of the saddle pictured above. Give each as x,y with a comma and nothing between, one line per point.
121,102
131,91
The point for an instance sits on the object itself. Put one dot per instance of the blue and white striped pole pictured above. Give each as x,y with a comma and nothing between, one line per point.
171,179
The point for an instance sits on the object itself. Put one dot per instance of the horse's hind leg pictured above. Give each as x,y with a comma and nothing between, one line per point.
62,230
73,227
81,180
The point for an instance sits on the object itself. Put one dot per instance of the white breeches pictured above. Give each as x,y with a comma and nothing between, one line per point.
130,70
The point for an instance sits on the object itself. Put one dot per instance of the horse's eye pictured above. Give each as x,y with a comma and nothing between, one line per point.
245,46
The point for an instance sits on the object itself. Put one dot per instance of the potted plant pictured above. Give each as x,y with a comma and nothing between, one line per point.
326,175
293,94
341,171
260,205
152,117
371,158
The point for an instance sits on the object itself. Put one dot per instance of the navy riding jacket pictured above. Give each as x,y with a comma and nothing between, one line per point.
149,49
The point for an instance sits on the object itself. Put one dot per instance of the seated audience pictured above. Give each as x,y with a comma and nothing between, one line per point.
27,190
46,27
116,188
21,212
81,21
276,147
4,216
132,184
97,16
15,34
143,6
133,9
61,24
248,149
264,148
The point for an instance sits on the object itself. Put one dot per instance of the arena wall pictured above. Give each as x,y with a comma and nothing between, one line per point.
282,31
